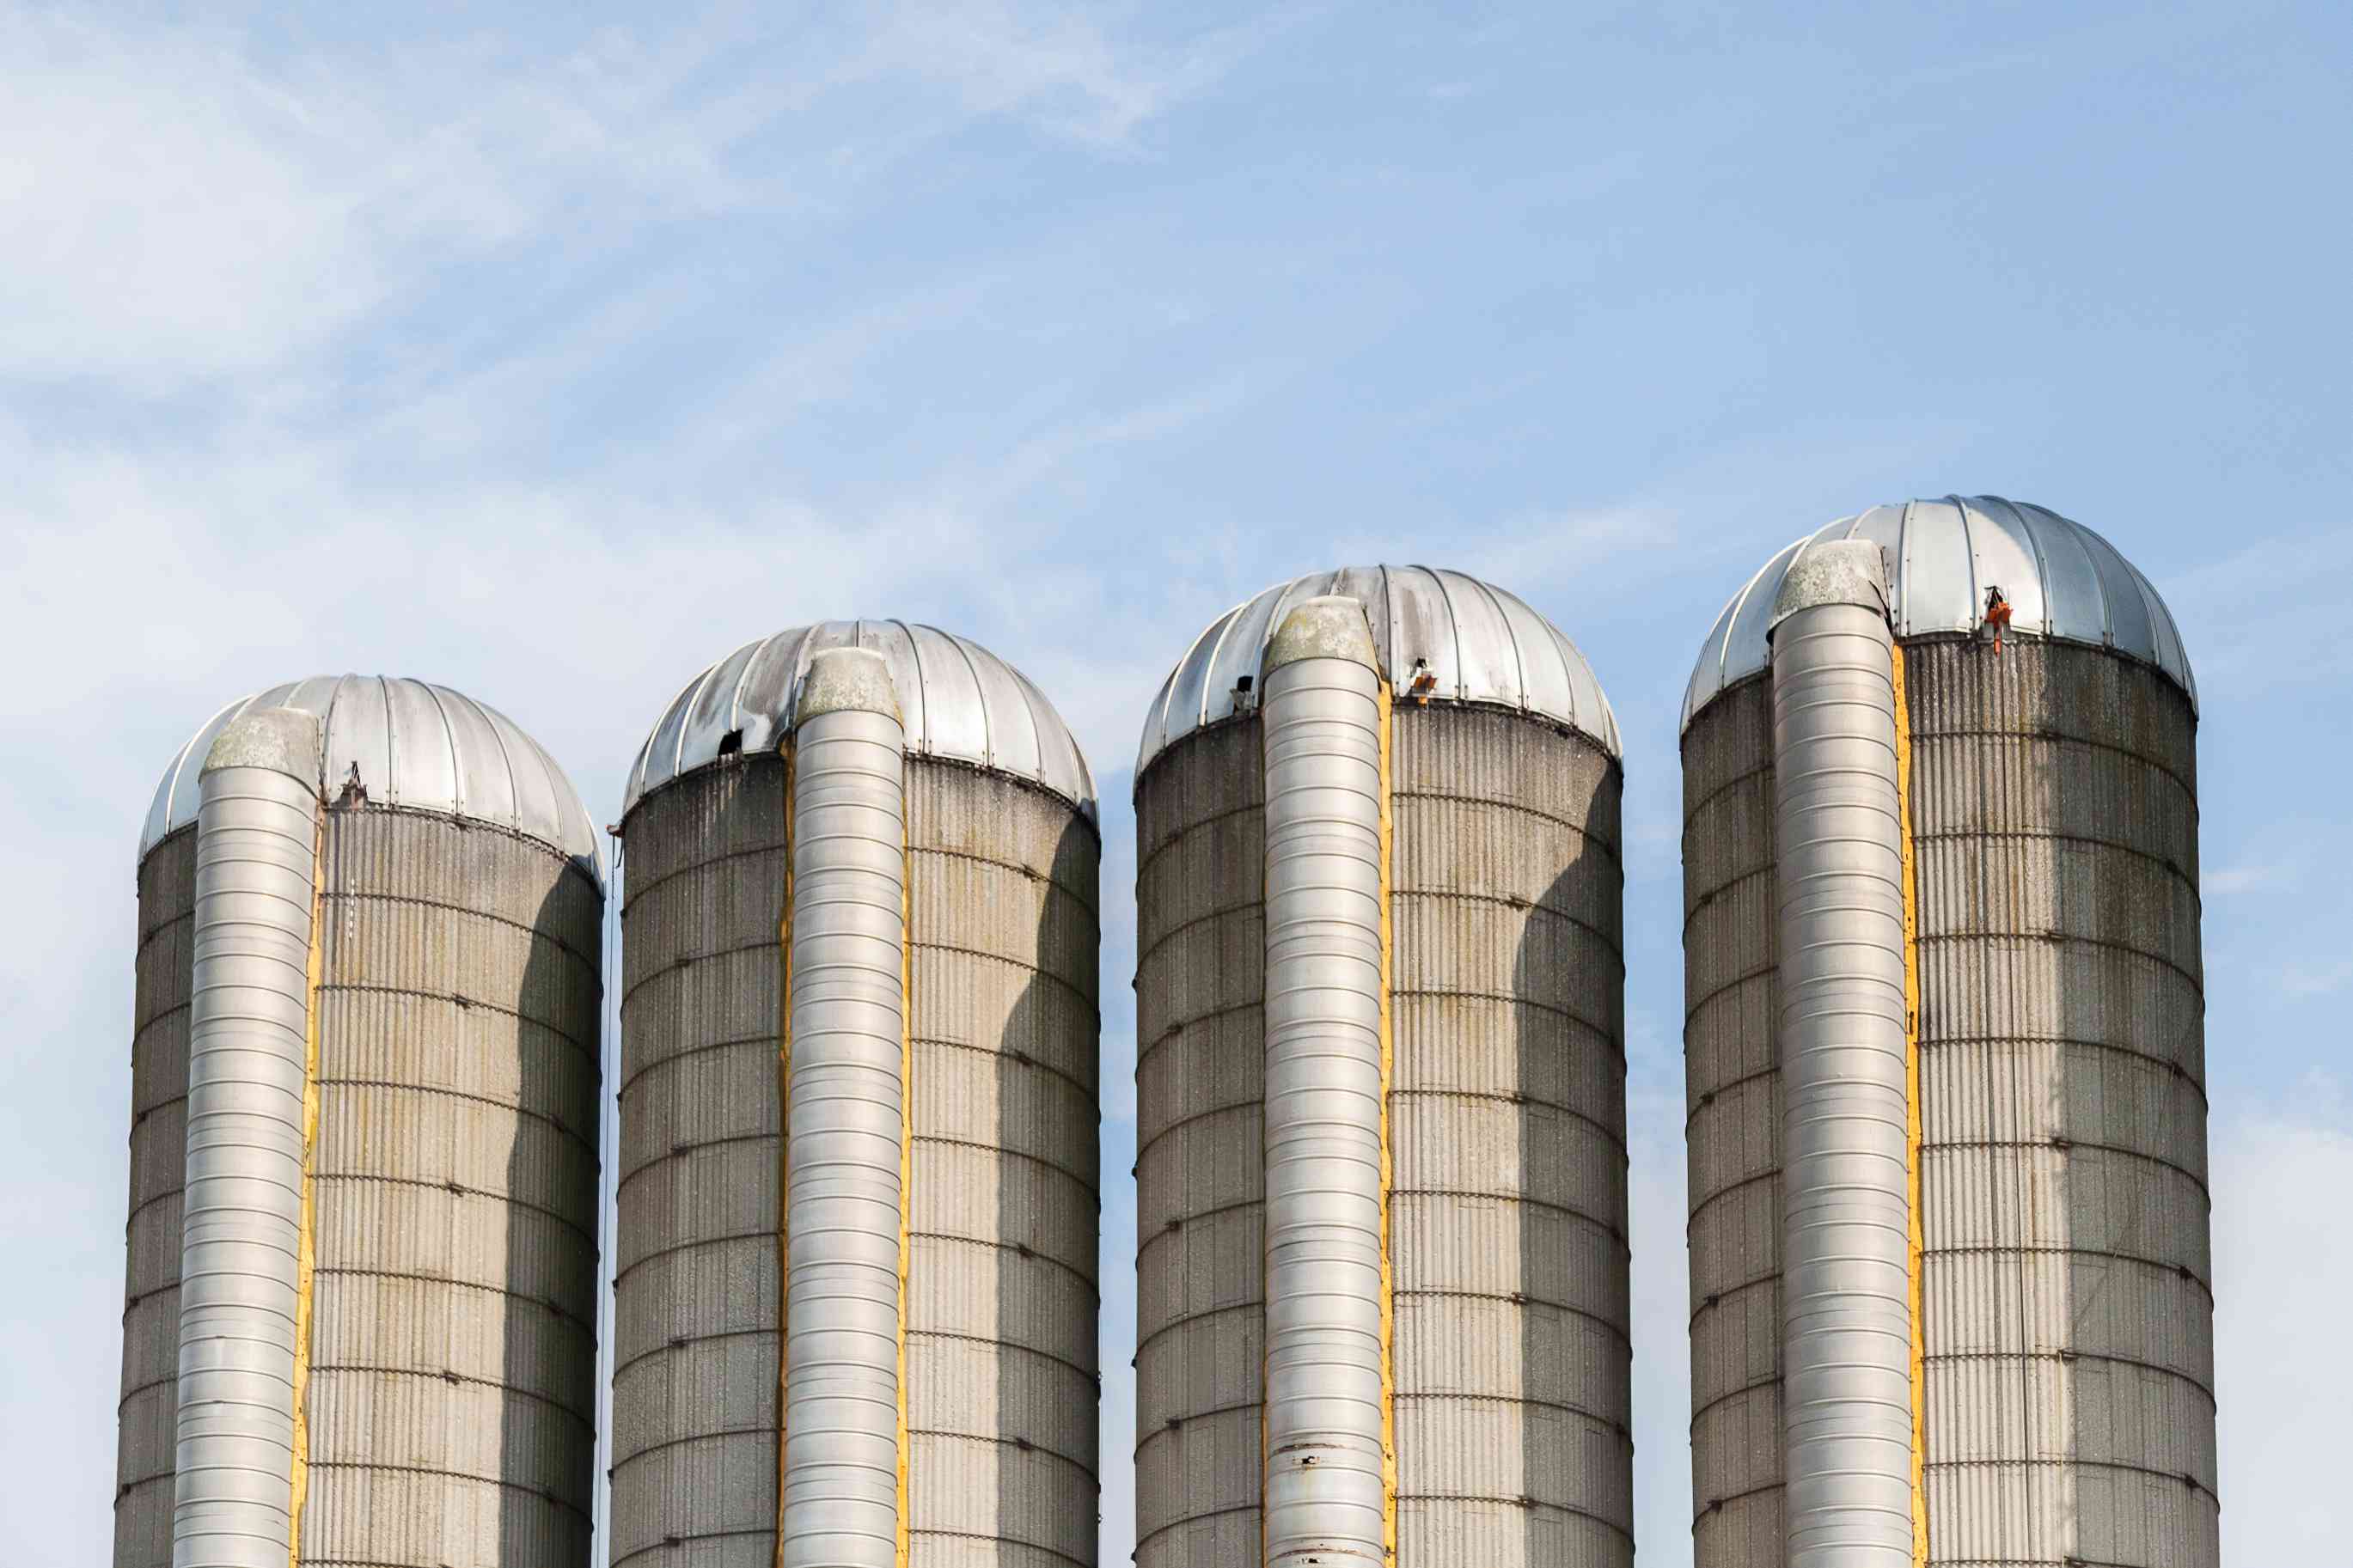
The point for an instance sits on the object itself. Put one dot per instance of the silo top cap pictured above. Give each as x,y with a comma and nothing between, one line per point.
1475,642
2062,581
958,700
416,746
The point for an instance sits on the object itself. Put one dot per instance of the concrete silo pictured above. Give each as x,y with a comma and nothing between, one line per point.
1382,1293
860,865
1950,1285
360,1319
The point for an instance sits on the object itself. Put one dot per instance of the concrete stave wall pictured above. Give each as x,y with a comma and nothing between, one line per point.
1507,1123
1002,1298
452,1391
2067,1271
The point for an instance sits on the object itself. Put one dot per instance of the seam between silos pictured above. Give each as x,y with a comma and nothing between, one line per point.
907,1109
1914,1237
306,1248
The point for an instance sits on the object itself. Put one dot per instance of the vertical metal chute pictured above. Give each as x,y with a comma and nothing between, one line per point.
1846,1320
841,1473
1325,1494
250,1067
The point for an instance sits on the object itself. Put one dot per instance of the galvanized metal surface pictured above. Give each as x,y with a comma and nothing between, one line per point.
453,1353
416,746
249,1054
149,1411
2069,1307
1327,1413
1481,644
1200,1182
1846,1327
1001,1301
960,702
844,1146
1508,1126
2062,582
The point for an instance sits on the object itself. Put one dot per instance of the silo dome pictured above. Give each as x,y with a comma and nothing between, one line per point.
960,702
1945,1056
858,1205
1480,644
416,746
1381,1275
360,1289
2062,581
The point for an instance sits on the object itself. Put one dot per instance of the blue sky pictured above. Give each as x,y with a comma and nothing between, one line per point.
551,361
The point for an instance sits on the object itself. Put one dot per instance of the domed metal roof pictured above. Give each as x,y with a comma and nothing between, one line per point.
2062,580
416,746
1483,645
959,700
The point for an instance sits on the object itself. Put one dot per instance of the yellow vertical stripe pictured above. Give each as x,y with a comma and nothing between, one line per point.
784,1129
1388,1160
1265,1440
306,1248
1915,1242
906,1128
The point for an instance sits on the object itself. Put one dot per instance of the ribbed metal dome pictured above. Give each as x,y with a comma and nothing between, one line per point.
2062,580
960,701
1482,644
416,746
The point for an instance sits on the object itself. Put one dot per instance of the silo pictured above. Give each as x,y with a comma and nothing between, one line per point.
1381,1181
859,865
1950,1288
361,1305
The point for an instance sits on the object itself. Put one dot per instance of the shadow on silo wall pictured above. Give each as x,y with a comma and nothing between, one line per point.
1049,1394
547,1459
1569,1075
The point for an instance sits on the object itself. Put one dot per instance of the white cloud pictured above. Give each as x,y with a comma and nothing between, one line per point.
182,204
2283,1274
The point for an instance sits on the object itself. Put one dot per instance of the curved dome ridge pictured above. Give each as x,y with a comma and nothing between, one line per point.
1483,645
415,744
2062,581
959,701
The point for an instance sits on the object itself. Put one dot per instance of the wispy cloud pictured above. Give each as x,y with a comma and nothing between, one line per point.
2316,979
2244,879
1062,66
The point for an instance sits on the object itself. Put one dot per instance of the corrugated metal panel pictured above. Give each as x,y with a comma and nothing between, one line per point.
2068,1305
1734,1132
151,1316
2069,1312
453,1391
1507,1117
1001,1298
2062,582
415,744
1483,645
1507,1121
1200,1081
960,702
694,1385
